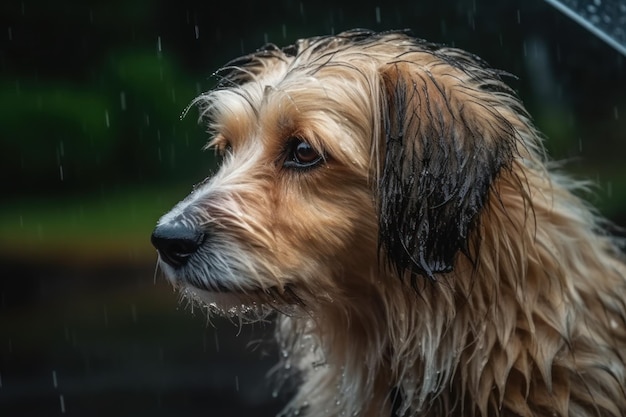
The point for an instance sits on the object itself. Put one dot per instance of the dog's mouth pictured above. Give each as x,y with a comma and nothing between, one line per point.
207,283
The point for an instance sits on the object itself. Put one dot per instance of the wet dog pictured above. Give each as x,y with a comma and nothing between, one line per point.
391,199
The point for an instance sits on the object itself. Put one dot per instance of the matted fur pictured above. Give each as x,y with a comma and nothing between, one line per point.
431,263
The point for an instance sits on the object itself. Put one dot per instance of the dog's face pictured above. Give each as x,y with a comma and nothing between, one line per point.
291,205
341,157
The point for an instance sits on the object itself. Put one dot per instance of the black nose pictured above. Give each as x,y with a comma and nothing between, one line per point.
176,242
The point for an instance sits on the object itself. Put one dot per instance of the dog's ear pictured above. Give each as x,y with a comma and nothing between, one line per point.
440,151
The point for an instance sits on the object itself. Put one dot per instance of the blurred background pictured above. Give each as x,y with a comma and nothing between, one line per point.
93,150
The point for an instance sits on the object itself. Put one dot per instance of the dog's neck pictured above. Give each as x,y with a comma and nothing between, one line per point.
459,343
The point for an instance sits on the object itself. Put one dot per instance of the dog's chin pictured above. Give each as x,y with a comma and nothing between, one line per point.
251,304
226,304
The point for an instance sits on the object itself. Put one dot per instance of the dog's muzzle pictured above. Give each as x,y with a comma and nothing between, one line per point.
176,242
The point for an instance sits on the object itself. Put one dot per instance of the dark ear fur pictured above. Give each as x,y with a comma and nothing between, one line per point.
441,154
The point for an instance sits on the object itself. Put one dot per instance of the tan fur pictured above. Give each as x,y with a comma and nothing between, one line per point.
530,321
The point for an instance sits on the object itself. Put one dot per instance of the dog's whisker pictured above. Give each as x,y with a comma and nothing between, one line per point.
156,269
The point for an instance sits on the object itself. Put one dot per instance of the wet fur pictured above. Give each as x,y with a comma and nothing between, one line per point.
434,264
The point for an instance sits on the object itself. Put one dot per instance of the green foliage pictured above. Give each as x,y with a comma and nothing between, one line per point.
61,136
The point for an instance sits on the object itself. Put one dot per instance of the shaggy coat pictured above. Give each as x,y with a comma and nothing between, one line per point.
391,200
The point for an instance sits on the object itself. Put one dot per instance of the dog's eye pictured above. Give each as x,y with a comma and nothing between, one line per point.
301,154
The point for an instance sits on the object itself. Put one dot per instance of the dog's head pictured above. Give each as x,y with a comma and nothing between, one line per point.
342,156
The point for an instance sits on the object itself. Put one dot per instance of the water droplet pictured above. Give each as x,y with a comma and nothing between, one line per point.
54,379
377,14
158,43
196,31
237,383
62,402
123,100
106,118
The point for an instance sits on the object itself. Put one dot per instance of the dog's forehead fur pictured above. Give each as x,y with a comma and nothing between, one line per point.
325,85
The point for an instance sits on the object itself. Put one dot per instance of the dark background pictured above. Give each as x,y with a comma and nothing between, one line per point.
93,150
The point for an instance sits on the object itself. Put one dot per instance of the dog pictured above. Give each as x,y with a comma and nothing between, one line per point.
390,200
